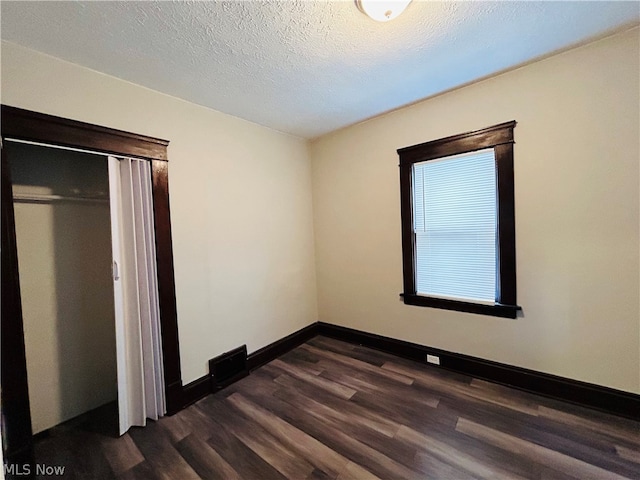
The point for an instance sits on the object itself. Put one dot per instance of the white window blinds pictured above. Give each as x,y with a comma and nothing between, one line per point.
454,207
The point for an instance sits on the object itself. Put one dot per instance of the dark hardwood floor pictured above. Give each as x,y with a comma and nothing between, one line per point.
331,410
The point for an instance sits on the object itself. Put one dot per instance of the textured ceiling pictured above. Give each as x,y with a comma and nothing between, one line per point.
305,67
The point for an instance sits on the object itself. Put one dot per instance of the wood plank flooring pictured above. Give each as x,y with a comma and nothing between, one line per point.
331,410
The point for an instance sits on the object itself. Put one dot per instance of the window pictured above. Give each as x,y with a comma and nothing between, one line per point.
458,225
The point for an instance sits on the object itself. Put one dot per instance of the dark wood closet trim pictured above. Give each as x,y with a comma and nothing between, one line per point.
39,127
166,287
22,124
16,415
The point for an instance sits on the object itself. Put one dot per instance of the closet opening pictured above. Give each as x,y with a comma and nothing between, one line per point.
63,238
25,126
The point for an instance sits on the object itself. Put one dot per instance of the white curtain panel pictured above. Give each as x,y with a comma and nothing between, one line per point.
138,342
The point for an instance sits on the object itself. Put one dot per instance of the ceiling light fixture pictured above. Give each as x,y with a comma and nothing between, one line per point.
382,10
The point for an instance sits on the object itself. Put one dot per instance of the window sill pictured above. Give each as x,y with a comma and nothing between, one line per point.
495,310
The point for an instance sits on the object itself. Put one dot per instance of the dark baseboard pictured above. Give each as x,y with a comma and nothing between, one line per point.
203,386
174,392
605,399
282,346
194,391
585,394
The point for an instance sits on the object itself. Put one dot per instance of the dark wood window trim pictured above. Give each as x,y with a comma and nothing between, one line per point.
25,125
500,138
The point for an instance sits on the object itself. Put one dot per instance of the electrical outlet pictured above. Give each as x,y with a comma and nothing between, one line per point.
433,359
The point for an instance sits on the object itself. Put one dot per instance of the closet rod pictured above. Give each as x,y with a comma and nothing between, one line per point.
72,149
48,198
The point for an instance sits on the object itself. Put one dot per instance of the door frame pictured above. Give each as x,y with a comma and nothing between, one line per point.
20,124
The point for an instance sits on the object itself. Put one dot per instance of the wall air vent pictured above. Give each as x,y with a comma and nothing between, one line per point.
228,368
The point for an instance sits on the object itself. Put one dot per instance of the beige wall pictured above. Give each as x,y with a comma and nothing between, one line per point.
240,203
64,256
577,207
244,240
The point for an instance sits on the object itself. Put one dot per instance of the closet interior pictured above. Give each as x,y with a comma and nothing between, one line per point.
63,233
